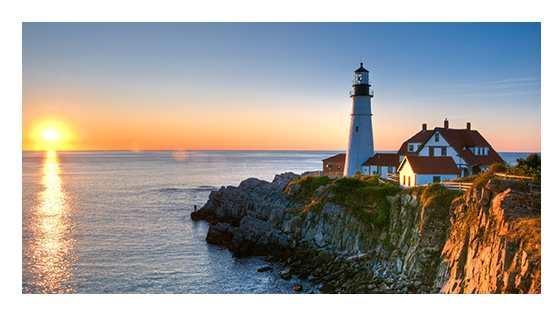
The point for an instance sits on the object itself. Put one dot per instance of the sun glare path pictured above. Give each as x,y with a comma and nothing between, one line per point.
50,134
52,245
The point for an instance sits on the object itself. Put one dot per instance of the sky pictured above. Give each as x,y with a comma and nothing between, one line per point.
275,86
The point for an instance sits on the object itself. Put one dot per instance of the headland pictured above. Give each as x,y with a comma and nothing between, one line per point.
363,235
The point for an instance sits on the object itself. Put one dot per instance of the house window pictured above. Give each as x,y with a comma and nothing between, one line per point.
443,151
431,151
329,167
338,167
379,170
410,147
356,128
437,137
408,180
437,179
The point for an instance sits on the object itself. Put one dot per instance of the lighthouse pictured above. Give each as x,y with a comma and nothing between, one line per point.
360,139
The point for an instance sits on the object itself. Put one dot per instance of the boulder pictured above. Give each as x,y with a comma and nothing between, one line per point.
501,185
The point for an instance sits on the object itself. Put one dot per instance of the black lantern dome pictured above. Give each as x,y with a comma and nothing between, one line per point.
361,82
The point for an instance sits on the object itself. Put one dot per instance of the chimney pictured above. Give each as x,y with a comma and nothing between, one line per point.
468,126
446,124
424,126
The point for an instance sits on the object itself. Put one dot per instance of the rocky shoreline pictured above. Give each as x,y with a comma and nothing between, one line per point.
339,253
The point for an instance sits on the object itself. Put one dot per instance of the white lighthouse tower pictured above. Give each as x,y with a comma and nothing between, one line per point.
360,140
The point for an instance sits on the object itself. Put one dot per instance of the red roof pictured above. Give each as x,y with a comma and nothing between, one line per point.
417,138
460,140
337,158
383,159
431,164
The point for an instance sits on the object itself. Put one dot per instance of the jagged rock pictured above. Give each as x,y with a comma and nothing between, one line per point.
219,234
285,274
501,185
358,257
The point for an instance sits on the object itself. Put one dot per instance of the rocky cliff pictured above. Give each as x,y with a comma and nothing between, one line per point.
494,242
382,240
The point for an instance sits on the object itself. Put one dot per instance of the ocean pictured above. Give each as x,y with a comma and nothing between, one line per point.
108,222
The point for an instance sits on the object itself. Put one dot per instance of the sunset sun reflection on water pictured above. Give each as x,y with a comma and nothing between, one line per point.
51,246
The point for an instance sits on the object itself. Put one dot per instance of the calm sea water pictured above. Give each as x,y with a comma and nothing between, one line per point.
119,221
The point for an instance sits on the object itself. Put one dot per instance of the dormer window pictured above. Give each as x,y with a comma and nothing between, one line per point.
410,147
437,137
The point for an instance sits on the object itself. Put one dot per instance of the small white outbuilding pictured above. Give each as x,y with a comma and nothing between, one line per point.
422,170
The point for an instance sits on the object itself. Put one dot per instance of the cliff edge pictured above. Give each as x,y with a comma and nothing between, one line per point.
363,236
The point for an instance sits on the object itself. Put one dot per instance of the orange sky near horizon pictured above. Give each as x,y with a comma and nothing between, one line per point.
229,131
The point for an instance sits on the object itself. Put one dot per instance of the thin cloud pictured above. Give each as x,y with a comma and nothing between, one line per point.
509,81
500,88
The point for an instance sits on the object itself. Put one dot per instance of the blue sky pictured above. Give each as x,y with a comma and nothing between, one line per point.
236,75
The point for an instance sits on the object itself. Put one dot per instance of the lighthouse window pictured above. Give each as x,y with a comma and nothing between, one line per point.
359,78
356,128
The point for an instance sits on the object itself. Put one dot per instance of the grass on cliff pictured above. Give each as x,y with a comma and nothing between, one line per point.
364,197
307,185
437,198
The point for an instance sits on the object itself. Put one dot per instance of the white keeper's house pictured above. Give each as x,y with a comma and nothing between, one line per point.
467,147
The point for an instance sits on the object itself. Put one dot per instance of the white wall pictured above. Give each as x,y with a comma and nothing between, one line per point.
406,174
437,151
372,170
360,143
425,179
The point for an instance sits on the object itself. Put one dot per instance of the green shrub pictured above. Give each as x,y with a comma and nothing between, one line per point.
308,185
529,167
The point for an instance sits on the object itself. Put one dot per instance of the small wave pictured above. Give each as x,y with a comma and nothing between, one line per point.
206,188
172,189
158,272
175,189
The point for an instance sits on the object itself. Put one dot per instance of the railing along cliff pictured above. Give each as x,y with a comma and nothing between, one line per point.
504,175
456,185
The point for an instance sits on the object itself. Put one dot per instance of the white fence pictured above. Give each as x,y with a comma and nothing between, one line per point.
456,185
506,176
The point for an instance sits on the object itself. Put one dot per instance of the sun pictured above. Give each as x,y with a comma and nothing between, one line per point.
50,134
